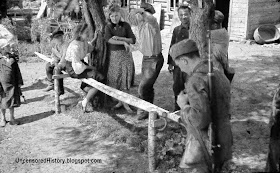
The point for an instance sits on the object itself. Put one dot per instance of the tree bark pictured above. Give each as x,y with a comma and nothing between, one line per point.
200,22
3,8
95,17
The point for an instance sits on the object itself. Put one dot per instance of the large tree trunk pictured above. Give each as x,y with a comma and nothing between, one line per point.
200,22
3,8
95,17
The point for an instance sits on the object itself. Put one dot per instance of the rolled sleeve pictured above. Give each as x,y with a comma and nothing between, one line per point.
147,42
129,33
198,110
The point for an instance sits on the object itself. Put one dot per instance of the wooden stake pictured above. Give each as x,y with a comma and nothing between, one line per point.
56,94
151,142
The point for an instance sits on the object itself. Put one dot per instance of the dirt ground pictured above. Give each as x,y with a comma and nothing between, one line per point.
76,136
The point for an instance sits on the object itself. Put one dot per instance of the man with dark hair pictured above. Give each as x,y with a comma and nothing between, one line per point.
180,33
150,46
198,110
58,52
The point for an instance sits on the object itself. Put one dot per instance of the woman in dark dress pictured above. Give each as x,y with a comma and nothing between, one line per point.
10,82
119,36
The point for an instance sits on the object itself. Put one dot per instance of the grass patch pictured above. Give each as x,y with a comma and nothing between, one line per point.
104,124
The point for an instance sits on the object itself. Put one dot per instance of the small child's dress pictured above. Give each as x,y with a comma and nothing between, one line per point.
10,81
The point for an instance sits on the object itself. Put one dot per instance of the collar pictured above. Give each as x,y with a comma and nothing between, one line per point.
182,26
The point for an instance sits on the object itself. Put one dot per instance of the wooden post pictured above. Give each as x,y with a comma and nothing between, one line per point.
56,94
128,5
151,141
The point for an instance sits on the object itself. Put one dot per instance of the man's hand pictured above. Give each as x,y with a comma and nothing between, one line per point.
182,99
99,77
138,10
170,68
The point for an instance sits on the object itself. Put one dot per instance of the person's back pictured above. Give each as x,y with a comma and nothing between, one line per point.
221,119
220,43
273,159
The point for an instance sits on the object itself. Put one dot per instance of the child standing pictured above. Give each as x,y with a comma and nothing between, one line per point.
10,80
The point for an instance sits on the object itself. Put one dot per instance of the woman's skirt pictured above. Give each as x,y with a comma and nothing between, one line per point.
85,74
121,70
10,81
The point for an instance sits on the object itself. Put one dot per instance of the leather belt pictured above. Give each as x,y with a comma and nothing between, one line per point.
154,55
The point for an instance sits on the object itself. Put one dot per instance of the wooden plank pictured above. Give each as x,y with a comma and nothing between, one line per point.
125,97
160,1
239,1
60,76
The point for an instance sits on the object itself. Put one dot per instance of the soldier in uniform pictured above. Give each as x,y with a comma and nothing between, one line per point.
220,43
198,110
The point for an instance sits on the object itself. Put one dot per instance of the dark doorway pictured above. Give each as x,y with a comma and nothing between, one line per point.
223,6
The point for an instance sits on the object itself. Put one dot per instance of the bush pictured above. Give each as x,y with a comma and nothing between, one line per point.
26,52
18,28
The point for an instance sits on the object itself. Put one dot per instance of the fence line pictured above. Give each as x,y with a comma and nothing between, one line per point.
131,100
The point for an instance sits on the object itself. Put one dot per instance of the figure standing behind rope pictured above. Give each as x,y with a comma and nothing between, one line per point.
196,110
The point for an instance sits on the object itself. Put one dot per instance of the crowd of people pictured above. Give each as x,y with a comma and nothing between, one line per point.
201,107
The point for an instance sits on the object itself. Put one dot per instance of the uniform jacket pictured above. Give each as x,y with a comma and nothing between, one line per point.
198,111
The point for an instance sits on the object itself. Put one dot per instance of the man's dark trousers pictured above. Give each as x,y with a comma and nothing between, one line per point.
49,71
179,79
151,66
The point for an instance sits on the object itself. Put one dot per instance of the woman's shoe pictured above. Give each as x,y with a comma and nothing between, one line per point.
81,104
127,108
84,106
3,123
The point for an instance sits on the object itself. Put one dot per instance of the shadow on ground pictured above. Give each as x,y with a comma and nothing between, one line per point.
253,87
38,84
35,117
84,142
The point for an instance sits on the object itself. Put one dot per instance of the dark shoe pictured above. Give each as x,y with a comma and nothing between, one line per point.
142,115
116,107
14,122
49,88
61,93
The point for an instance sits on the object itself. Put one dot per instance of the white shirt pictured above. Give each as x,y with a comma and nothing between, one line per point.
77,51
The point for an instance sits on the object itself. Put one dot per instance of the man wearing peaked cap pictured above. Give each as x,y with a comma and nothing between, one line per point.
148,7
195,110
185,46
